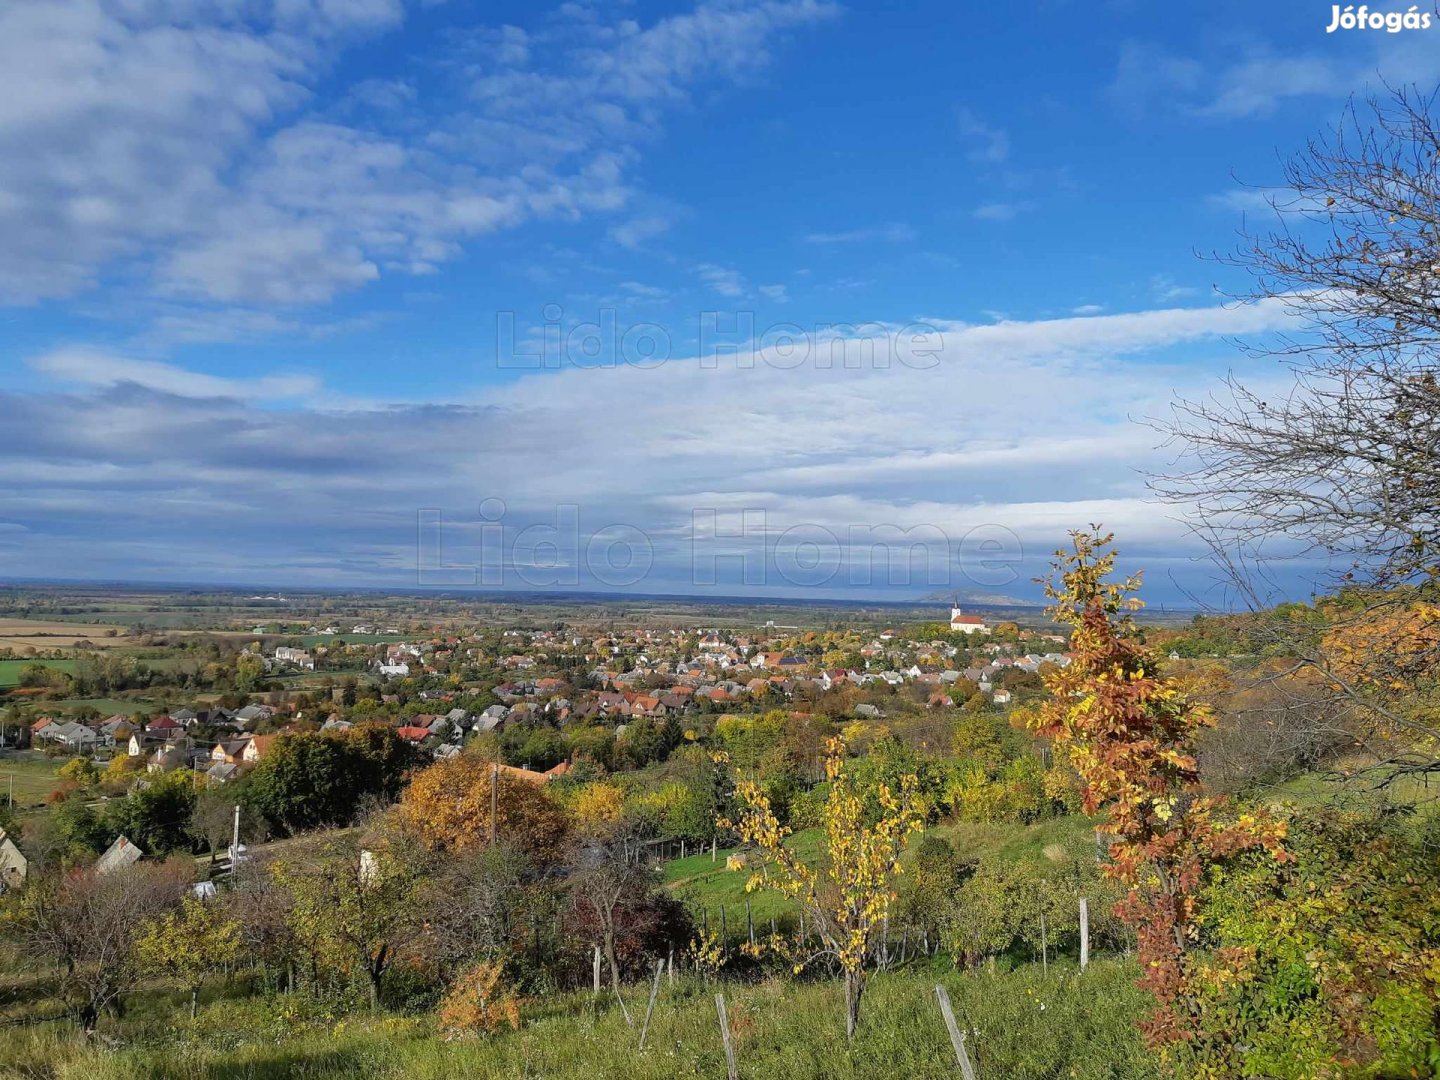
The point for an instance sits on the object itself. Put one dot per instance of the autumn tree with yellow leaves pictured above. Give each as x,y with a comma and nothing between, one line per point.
848,896
1131,735
188,943
448,805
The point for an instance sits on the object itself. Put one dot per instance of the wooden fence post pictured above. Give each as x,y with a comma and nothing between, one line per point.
1044,947
670,965
749,923
650,1009
957,1037
731,1071
595,967
1084,932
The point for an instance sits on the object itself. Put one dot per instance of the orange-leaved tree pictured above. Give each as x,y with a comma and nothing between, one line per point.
479,1002
448,808
847,896
1130,733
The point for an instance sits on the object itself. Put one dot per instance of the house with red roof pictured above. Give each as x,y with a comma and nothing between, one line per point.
967,624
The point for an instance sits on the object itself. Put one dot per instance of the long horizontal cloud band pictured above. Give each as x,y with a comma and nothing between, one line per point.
264,478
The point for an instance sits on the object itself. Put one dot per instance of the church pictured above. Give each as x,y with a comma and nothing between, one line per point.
967,624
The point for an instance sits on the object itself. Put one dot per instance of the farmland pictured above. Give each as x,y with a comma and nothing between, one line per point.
39,635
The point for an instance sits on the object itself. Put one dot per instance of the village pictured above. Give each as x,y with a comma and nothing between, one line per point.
561,678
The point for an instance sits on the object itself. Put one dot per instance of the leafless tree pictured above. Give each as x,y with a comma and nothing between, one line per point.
1339,463
473,903
607,870
87,924
1275,729
264,911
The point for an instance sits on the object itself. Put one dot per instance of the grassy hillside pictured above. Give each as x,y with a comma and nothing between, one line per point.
10,669
707,886
1025,1026
32,778
104,705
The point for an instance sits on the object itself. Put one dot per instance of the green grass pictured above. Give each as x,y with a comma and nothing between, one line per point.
784,1030
105,706
1363,793
1013,842
33,778
308,680
154,662
707,886
10,669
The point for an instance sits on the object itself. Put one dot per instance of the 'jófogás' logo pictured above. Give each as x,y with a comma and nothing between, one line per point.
1351,17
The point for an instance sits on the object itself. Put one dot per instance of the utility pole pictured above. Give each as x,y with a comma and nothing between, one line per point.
235,839
494,800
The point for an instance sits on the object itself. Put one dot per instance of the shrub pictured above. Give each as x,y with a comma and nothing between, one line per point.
1325,965
479,1002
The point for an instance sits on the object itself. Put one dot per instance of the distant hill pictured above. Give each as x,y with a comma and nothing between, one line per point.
981,599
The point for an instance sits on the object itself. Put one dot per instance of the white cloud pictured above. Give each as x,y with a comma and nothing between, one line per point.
896,232
645,292
94,368
988,145
185,146
723,279
1000,211
636,231
1262,78
1025,427
1166,289
777,293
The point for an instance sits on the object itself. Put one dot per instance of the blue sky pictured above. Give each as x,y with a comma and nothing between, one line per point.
276,275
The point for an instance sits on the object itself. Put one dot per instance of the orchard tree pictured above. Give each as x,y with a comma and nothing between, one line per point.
848,896
607,874
477,905
81,772
188,943
88,923
353,909
479,1002
156,817
317,779
1328,964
